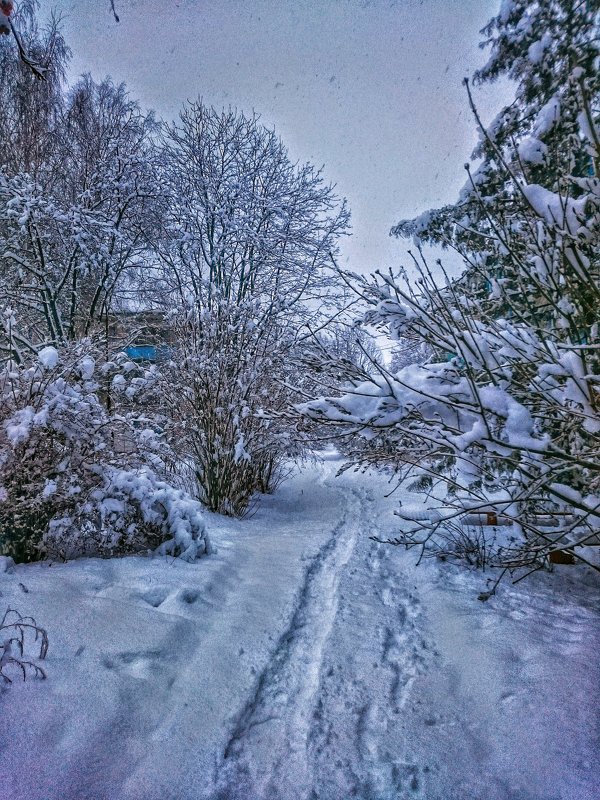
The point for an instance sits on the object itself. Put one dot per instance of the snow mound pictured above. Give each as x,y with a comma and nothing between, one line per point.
7,565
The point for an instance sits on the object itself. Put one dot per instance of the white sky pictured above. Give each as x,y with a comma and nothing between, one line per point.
371,89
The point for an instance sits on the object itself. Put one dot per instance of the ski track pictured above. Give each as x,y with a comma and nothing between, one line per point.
274,726
357,741
315,727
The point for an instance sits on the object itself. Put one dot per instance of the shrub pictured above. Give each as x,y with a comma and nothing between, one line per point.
77,478
16,635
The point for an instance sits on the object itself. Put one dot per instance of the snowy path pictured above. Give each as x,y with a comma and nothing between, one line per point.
312,728
267,751
303,661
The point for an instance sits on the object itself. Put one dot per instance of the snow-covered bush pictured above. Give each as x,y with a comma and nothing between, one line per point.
508,422
222,394
76,478
131,510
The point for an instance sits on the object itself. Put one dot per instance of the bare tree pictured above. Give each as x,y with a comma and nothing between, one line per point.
246,250
30,108
70,240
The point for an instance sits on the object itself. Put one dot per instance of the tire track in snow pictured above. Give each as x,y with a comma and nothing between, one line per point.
266,755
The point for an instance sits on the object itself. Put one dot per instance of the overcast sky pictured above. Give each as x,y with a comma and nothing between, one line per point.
371,89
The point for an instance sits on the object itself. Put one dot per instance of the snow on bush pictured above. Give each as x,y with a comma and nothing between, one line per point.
6,564
78,479
48,356
131,510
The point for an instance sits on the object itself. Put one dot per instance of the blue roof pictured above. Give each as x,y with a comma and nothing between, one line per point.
148,352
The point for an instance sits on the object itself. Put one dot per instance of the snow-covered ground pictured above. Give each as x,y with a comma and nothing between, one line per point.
303,660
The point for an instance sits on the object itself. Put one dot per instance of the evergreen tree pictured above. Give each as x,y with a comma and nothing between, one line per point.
526,220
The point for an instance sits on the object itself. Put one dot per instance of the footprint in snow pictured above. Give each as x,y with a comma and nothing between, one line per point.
154,597
138,664
189,596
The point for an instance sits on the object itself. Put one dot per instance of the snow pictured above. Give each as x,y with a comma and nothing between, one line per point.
48,357
6,564
532,150
507,7
49,488
547,117
19,426
537,49
303,660
555,209
240,453
588,128
87,365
